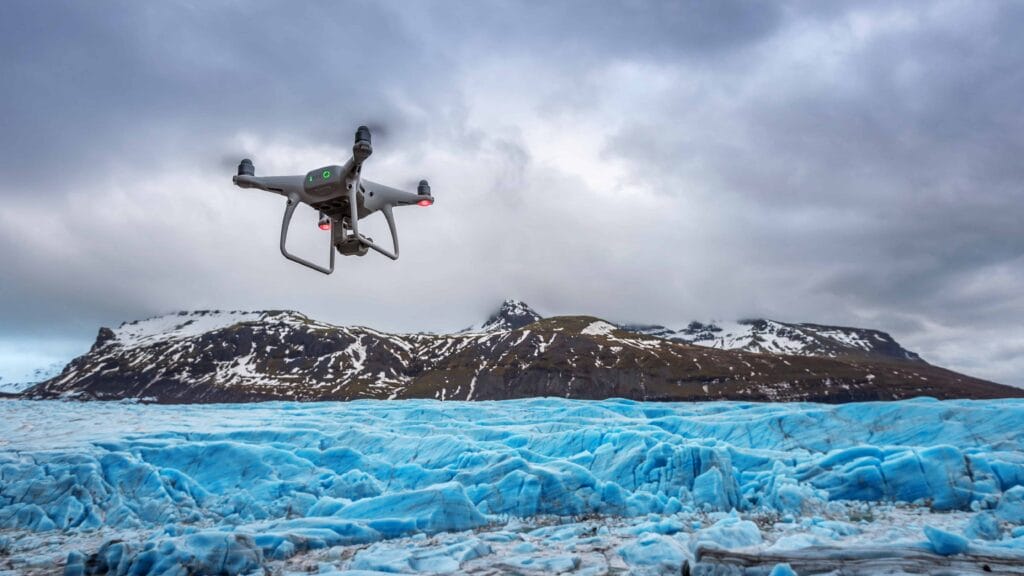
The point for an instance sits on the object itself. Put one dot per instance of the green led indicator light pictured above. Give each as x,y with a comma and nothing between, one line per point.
310,177
326,174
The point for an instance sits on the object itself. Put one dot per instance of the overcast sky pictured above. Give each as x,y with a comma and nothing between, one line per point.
846,163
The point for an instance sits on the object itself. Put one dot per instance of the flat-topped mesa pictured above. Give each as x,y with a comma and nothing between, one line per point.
246,356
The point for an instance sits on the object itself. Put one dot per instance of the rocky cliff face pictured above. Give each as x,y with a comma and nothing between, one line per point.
215,356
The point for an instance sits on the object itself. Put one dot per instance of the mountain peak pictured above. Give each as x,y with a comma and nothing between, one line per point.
512,315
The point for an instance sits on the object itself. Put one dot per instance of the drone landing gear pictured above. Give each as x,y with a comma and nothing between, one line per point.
367,242
289,211
345,236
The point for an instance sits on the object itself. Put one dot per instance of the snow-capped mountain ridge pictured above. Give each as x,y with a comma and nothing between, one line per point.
774,337
752,335
215,356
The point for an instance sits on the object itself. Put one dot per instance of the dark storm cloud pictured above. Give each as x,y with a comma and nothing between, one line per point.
625,29
906,162
652,161
86,83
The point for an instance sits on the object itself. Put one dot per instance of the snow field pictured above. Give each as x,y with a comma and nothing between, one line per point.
433,487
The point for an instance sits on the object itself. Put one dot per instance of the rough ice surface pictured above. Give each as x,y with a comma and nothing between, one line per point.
946,543
536,486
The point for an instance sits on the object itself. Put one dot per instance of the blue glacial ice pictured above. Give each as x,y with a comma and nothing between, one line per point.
540,485
945,543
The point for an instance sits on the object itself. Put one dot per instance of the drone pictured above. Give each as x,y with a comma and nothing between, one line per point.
342,198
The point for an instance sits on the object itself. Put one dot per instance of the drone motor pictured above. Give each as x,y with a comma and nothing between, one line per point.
424,190
245,168
363,135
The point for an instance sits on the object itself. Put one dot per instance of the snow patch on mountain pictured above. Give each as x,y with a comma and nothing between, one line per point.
178,326
599,328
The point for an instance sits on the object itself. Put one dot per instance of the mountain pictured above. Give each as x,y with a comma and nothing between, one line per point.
772,337
215,356
12,385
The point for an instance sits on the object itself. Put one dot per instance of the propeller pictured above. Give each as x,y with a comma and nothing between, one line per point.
230,161
380,128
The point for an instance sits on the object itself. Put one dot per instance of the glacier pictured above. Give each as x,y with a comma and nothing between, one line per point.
535,486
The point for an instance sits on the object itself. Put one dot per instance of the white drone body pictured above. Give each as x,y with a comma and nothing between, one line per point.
342,197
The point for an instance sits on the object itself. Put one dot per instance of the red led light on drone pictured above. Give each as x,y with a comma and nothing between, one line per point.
425,202
325,225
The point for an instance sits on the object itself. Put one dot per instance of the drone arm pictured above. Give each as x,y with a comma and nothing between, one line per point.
385,199
289,210
378,195
283,185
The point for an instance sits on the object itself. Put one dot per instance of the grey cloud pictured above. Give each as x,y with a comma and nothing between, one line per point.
876,181
140,82
895,186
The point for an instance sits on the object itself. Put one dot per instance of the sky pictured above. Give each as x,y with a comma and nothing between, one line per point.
851,163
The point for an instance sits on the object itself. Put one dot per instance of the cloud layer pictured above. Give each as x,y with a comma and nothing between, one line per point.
836,163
